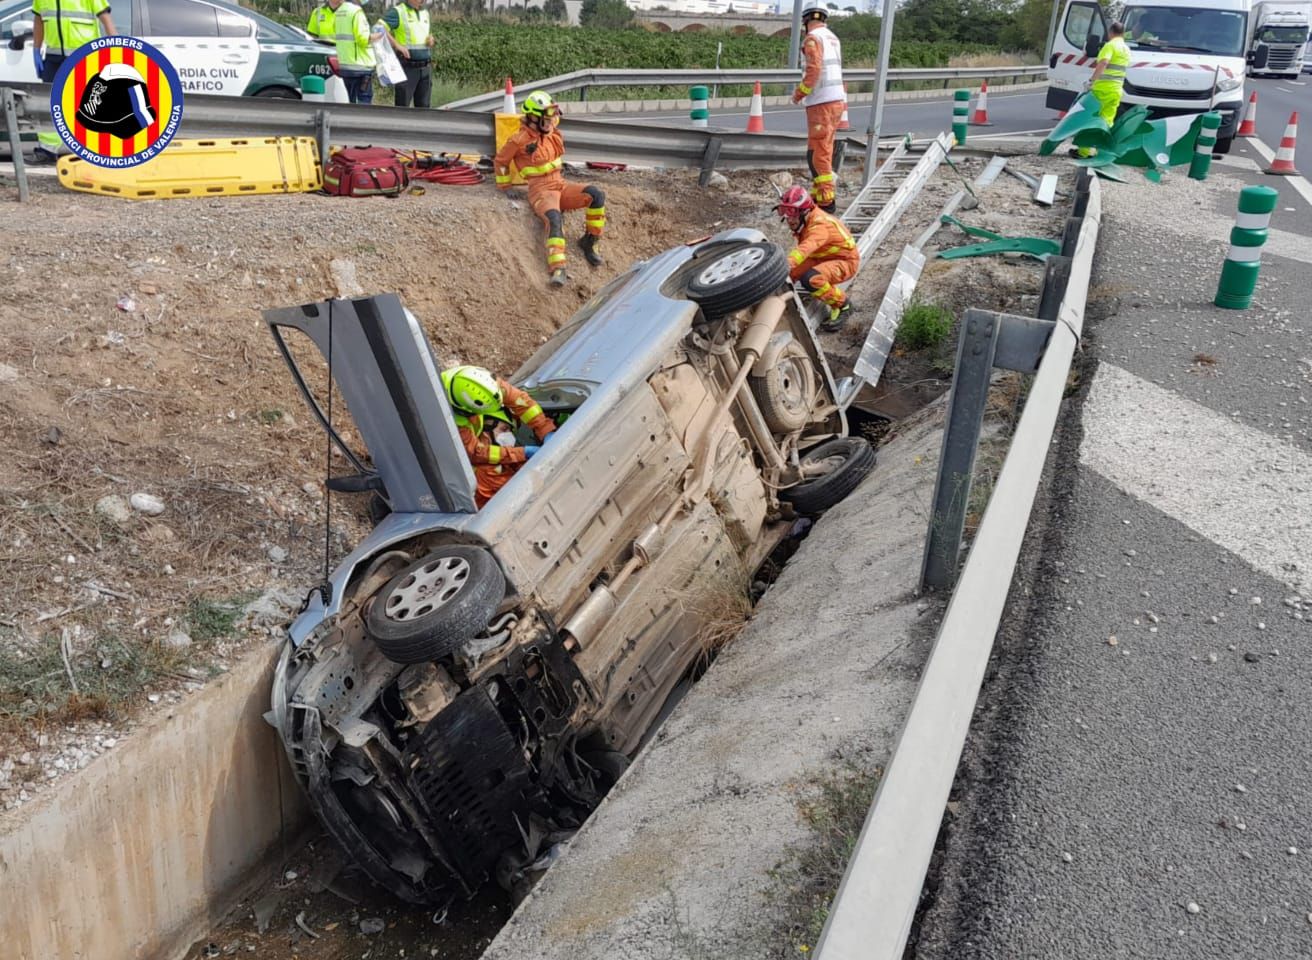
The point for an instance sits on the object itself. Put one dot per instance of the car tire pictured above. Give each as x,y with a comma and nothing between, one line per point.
436,604
609,764
853,457
786,393
738,278
278,93
1223,145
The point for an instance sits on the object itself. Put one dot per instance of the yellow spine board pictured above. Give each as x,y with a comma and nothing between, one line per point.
507,127
206,168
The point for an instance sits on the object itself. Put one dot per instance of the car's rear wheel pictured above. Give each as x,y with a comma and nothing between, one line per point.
738,278
278,93
786,391
434,606
838,466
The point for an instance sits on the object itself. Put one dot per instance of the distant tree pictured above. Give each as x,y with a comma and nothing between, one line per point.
859,26
1029,27
850,9
605,14
555,10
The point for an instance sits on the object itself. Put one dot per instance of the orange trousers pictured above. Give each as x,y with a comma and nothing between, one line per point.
823,277
549,200
821,123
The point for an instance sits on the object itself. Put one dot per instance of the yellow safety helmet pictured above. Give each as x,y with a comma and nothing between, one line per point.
540,104
472,389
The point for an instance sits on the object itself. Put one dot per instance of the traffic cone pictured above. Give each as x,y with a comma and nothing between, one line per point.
843,122
981,117
1248,126
1283,164
756,118
508,104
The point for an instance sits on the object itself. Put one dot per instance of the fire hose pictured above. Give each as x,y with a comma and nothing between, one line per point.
443,168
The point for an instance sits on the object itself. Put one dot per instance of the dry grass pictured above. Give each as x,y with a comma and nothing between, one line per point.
1023,58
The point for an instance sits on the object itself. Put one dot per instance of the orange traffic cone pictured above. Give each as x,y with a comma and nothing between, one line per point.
756,118
1283,164
508,102
981,117
843,122
1248,126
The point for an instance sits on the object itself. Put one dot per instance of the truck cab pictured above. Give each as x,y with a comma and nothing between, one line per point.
1185,58
1280,33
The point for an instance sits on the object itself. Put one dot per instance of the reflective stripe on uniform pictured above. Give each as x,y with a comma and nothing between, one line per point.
503,178
545,168
531,413
555,250
804,88
595,217
494,454
796,256
824,178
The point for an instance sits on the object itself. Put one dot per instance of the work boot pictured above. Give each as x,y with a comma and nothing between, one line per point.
557,277
838,317
589,244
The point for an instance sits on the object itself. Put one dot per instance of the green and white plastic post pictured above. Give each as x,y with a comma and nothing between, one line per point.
960,114
700,112
1202,158
1244,260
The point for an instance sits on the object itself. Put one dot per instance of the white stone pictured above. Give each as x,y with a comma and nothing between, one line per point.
114,507
149,504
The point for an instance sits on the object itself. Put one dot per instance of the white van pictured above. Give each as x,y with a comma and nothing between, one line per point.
1185,57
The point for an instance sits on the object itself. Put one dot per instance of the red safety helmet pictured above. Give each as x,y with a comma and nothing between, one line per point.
793,206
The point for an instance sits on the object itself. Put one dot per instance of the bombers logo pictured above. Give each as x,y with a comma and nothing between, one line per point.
116,102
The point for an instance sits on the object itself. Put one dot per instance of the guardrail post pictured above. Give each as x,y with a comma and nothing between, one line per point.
708,160
10,107
987,340
321,134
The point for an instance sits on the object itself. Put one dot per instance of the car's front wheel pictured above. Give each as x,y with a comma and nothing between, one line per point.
738,278
834,469
432,607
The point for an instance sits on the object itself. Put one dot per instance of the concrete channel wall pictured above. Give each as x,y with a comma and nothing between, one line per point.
133,857
677,861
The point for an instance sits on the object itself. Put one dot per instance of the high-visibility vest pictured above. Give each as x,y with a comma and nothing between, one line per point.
322,22
411,30
69,23
1117,54
351,31
830,85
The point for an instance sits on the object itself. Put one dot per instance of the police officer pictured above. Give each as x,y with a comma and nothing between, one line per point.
63,26
355,58
821,90
320,25
408,32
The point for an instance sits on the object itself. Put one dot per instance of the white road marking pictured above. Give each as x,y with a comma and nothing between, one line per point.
1298,183
1284,90
1239,487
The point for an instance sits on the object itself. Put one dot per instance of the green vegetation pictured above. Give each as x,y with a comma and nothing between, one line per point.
809,877
924,325
210,620
605,14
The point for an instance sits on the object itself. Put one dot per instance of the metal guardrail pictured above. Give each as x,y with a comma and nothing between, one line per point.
464,131
607,77
871,915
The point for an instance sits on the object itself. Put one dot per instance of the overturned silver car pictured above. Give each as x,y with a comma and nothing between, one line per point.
467,685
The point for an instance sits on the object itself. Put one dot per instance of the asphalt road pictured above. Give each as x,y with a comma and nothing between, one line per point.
1138,781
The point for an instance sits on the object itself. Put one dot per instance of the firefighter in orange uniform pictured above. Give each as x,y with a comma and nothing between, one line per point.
481,403
825,254
538,151
822,91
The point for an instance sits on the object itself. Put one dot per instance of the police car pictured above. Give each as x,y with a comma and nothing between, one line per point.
217,47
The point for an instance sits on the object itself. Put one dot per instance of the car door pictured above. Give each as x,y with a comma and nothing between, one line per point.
1075,48
214,50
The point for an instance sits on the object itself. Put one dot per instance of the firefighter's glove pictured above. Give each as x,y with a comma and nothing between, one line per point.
798,96
36,59
530,449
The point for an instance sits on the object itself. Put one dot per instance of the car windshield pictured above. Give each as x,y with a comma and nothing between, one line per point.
1282,35
1186,30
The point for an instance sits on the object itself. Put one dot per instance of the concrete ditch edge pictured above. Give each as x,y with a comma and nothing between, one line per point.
136,856
678,860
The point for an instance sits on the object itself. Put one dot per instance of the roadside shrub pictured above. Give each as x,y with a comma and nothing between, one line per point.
924,325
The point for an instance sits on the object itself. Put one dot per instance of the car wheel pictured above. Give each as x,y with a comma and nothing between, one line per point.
738,278
1223,145
278,93
432,607
787,390
846,460
610,766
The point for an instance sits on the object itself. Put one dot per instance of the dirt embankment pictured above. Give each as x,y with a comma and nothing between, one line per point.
135,362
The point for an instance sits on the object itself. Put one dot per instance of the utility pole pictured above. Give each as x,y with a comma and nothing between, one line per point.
795,41
877,111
